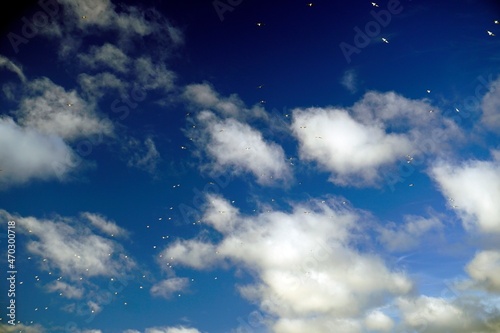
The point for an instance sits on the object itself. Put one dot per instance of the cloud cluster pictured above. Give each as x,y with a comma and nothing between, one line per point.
308,273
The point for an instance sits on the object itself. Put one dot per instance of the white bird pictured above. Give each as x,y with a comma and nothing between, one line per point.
428,91
385,40
496,22
490,33
260,24
457,110
374,4
310,4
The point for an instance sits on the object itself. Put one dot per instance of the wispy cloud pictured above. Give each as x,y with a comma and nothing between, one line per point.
490,105
143,156
108,227
11,66
350,81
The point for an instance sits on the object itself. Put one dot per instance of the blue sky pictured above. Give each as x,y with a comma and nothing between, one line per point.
246,166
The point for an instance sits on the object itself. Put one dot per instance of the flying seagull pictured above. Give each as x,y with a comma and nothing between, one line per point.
490,33
385,40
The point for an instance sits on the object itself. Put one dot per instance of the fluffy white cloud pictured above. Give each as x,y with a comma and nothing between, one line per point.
356,144
26,153
473,189
490,105
406,236
377,321
353,151
484,268
52,110
307,273
192,253
168,287
239,148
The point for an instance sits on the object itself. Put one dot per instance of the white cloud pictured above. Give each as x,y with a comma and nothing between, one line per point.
239,148
52,110
349,81
168,287
72,248
204,97
358,144
190,253
490,105
484,268
308,274
437,315
27,154
352,151
429,132
106,226
67,290
407,236
474,187
377,321
106,55
96,86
